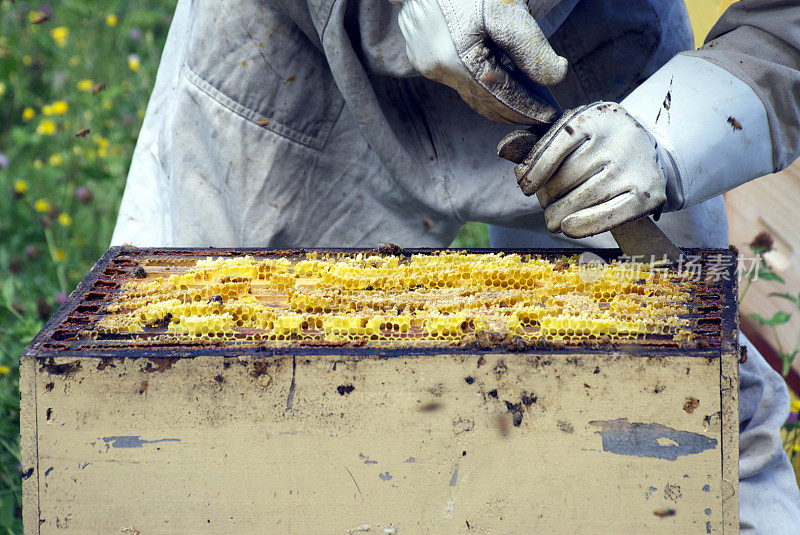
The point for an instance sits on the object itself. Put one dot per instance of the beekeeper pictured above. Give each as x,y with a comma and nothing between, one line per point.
335,123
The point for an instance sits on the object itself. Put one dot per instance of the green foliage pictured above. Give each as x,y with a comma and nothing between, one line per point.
760,245
64,68
472,235
768,275
778,318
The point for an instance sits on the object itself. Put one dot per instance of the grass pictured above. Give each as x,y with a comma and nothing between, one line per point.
64,68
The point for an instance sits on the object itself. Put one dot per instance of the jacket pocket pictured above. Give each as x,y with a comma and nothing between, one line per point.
254,60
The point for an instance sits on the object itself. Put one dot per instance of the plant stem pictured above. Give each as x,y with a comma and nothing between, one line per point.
746,287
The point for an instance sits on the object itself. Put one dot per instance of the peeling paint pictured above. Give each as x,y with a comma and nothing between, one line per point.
132,441
448,511
646,440
454,478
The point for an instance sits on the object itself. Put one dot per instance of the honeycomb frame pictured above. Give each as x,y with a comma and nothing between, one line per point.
373,298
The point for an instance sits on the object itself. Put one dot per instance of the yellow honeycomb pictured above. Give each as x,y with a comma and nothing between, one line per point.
442,298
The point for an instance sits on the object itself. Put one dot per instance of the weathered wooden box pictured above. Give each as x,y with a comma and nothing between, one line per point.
138,433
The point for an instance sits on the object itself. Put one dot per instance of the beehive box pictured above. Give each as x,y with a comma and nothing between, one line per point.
389,391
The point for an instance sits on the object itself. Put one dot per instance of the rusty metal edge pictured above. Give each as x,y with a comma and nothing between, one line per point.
71,304
605,253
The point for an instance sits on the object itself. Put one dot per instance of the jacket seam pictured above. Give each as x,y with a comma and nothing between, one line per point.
262,121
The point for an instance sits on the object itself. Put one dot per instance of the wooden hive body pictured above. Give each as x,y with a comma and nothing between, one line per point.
125,435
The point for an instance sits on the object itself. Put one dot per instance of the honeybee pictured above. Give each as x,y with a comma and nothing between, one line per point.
83,132
98,87
390,248
735,124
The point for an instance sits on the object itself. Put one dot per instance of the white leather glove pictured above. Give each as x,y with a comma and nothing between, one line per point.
455,42
690,132
596,168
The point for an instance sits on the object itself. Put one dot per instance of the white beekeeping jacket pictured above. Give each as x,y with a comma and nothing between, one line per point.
303,124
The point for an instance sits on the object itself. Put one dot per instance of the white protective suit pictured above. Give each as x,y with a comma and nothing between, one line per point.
302,123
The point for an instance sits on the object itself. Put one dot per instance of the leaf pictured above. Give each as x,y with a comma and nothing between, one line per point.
778,318
7,291
788,297
770,276
760,319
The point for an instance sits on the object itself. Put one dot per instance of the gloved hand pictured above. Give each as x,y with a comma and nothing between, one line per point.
455,42
595,169
690,132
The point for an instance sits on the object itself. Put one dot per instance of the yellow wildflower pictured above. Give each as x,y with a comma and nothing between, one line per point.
796,405
140,113
28,114
85,85
46,128
47,109
55,160
42,206
107,105
796,447
59,255
5,370
2,89
101,142
74,61
20,187
59,107
111,20
133,62
37,164
35,15
27,60
64,219
60,34
102,146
